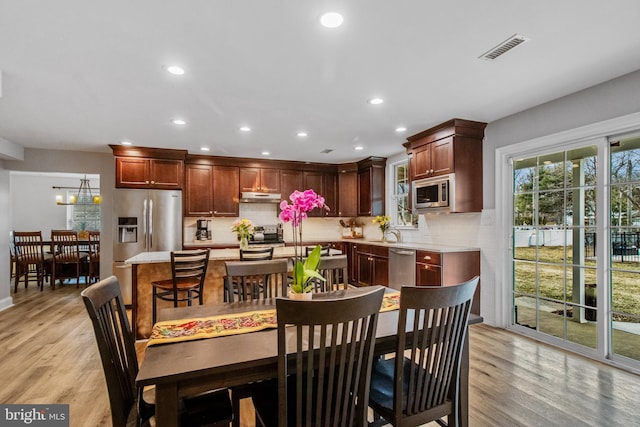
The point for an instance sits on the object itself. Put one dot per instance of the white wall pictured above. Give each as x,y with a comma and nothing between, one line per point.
33,200
5,290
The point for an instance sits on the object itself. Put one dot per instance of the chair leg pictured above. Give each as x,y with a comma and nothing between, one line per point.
154,304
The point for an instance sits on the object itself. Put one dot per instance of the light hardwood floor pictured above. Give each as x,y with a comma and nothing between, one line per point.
49,355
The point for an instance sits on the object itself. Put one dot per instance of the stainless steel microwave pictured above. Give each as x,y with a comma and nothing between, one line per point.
434,193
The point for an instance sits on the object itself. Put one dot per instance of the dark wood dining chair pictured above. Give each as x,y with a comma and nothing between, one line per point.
94,257
188,273
424,385
256,254
325,250
105,307
253,280
325,352
334,269
29,258
247,280
67,257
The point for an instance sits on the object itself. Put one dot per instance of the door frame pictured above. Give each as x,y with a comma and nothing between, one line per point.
592,134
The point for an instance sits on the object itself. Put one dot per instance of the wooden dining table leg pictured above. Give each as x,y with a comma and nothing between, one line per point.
166,405
463,408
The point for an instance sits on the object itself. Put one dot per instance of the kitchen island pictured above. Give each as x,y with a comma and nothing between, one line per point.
151,266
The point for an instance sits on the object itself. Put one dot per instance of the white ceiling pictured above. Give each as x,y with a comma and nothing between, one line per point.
80,75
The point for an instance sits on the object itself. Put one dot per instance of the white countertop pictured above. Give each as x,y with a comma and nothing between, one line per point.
214,255
415,246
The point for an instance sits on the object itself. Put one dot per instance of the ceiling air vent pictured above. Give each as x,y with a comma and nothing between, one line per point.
327,150
504,47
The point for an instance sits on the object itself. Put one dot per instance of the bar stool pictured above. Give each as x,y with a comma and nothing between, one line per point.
29,257
188,272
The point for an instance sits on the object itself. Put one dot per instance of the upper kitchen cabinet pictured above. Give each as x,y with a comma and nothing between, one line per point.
290,181
226,191
262,180
210,190
371,183
453,147
198,199
149,168
325,183
348,190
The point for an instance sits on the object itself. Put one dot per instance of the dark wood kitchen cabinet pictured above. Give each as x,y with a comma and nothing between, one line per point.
262,180
348,193
290,181
211,190
452,147
447,269
226,192
372,265
371,184
136,172
433,159
326,185
198,195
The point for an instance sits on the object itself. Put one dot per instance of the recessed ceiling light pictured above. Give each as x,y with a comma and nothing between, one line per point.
375,101
175,69
204,148
125,142
331,20
180,122
245,129
358,147
401,129
266,153
302,134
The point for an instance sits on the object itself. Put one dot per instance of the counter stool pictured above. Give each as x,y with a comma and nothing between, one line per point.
188,272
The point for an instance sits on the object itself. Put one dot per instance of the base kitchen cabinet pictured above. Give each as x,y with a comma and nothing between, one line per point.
372,265
447,269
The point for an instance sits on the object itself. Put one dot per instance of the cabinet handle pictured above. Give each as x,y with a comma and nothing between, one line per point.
426,267
213,212
153,182
427,257
146,182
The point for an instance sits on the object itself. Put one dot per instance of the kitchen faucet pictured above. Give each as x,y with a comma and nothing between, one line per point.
397,234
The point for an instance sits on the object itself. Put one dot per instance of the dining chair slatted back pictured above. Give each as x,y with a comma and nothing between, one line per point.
256,254
188,273
325,352
334,270
424,385
29,257
105,307
66,256
325,250
246,280
94,256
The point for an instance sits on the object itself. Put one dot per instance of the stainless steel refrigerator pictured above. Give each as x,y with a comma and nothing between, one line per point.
145,221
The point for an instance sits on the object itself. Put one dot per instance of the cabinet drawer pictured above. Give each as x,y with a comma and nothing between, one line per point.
427,257
374,250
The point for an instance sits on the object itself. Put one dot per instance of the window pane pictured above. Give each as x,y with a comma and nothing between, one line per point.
582,162
524,243
524,175
551,318
551,172
524,280
523,209
583,333
524,311
551,281
551,208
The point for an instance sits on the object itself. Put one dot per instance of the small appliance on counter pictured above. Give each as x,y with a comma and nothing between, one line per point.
202,229
267,234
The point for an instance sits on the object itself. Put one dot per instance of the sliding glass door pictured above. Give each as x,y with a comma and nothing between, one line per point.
554,263
566,286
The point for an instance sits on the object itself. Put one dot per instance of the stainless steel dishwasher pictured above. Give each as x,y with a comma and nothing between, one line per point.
402,267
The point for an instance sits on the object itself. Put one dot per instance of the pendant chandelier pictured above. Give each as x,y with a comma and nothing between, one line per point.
84,196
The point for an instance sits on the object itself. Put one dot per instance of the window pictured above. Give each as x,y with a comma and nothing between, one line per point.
400,212
84,215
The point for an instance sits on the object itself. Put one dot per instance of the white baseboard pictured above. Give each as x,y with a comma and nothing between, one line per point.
6,303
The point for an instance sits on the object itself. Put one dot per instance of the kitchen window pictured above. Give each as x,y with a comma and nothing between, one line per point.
400,211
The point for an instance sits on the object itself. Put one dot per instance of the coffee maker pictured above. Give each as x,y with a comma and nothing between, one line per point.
202,230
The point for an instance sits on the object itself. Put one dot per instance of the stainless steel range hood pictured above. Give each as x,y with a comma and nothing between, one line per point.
252,197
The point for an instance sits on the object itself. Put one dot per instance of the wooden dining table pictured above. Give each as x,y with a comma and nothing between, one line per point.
186,368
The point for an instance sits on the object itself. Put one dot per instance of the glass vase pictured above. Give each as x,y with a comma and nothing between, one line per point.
244,243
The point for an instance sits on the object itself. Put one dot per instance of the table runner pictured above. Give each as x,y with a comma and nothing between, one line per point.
170,331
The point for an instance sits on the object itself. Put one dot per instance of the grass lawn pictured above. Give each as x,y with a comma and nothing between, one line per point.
553,274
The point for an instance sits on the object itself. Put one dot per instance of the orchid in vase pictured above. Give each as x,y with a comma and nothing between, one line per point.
302,202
